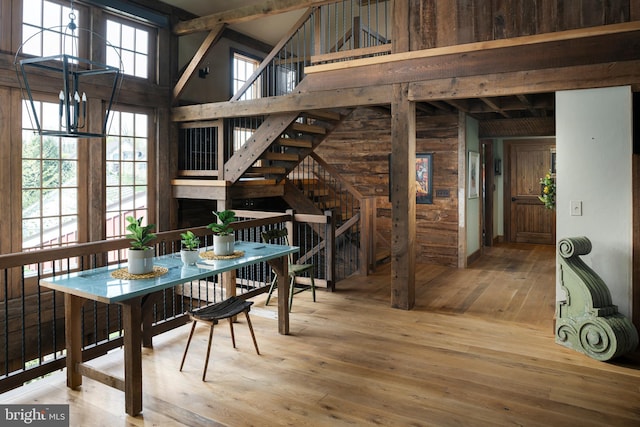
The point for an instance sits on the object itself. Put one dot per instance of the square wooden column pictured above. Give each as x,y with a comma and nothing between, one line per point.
403,199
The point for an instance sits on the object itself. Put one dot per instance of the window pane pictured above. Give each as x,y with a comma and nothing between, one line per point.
31,42
142,41
130,47
32,12
141,66
49,186
127,167
69,201
52,14
141,126
113,33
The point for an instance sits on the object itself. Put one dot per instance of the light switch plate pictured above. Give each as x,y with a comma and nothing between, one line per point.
576,208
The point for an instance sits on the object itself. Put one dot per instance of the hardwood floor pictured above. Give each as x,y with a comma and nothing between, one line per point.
477,350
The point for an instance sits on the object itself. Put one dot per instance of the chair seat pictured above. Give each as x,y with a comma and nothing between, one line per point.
295,269
222,310
210,315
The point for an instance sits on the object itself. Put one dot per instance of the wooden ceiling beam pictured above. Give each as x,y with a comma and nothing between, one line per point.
243,14
495,107
297,101
203,50
546,80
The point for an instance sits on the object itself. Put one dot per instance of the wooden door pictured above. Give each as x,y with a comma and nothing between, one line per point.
526,218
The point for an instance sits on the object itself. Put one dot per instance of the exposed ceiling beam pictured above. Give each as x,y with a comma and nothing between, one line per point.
495,107
243,14
197,59
525,101
296,101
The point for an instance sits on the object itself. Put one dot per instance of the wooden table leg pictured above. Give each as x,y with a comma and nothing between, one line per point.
132,321
73,338
281,266
147,318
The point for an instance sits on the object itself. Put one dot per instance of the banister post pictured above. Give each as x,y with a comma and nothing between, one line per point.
330,252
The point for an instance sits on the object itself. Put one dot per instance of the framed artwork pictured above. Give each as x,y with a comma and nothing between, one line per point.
474,175
424,178
553,162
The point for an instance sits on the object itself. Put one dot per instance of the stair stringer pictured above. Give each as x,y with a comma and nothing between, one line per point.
254,148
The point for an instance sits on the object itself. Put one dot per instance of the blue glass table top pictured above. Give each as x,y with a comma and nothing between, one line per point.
97,284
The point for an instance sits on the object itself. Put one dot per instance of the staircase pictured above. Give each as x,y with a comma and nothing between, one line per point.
281,142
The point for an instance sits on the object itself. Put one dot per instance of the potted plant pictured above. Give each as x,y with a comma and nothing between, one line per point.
140,255
223,238
190,244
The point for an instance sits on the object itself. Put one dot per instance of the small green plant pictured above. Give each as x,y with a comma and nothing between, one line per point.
548,190
140,235
190,241
222,227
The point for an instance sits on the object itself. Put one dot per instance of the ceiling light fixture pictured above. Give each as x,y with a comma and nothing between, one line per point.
75,74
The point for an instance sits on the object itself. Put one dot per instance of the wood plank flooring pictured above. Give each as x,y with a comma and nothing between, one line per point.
477,350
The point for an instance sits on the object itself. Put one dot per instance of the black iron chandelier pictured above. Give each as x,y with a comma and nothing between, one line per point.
75,74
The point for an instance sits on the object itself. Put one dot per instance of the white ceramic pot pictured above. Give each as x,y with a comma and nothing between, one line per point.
223,245
140,261
189,257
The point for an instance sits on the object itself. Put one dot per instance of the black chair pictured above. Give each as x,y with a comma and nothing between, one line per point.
277,236
211,314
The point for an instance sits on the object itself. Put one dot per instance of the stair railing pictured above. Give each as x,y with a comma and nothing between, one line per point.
354,214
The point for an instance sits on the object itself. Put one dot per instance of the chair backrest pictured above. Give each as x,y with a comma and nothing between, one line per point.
276,235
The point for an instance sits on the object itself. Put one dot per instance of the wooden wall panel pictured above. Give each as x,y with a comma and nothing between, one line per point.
468,21
360,149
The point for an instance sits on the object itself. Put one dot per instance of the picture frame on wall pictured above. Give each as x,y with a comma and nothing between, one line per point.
424,178
474,175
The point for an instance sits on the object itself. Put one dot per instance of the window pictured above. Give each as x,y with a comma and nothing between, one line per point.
286,80
44,28
243,68
130,46
49,183
127,187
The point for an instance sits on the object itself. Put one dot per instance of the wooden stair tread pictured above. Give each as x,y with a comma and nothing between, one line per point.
323,115
294,142
263,170
255,181
301,127
287,157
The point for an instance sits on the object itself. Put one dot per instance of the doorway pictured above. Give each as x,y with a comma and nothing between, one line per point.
526,220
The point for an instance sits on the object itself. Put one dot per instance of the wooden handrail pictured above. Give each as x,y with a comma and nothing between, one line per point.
19,259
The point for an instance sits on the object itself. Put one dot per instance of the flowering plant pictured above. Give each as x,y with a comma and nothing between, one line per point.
548,196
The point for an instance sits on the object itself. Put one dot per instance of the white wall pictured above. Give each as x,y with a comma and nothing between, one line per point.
594,149
474,229
498,194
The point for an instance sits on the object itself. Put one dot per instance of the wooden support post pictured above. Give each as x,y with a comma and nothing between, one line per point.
403,198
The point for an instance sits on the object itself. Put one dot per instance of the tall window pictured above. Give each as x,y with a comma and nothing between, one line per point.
49,183
127,155
39,15
131,47
243,68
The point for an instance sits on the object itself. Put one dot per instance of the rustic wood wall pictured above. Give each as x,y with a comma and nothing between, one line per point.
360,150
444,23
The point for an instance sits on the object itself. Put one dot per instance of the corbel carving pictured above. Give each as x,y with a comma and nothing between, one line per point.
586,320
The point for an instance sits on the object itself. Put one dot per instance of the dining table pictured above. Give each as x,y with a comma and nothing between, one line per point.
131,294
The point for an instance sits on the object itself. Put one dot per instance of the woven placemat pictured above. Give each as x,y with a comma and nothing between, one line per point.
123,273
211,255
